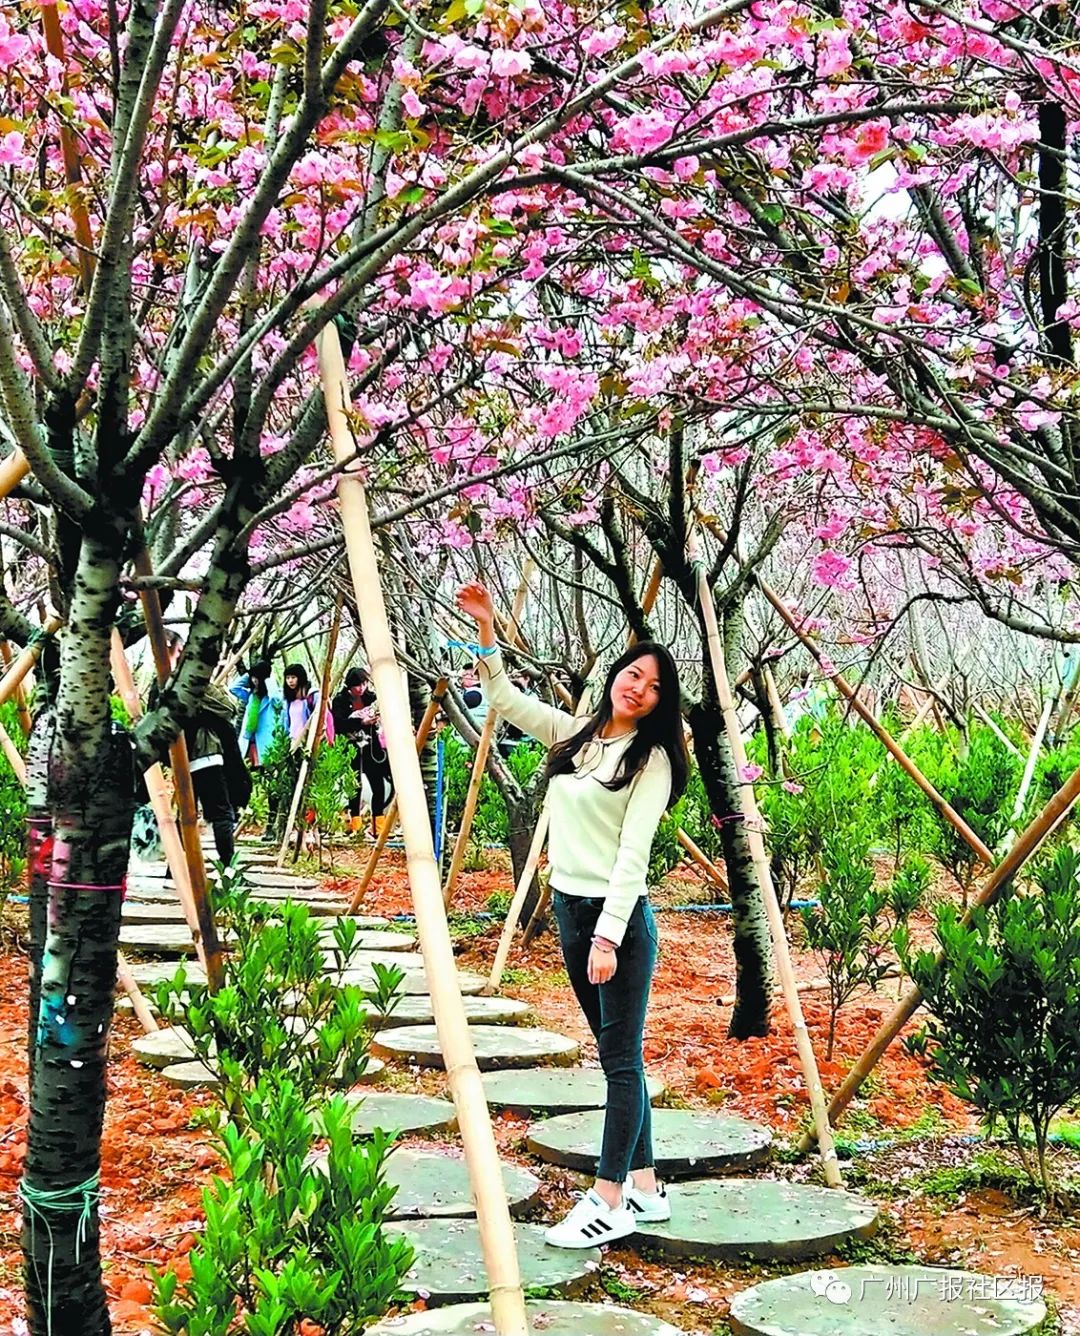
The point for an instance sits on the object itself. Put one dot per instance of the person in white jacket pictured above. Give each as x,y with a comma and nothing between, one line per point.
612,775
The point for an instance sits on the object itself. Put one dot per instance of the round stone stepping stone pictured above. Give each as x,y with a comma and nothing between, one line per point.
190,1076
407,1114
495,1046
268,877
362,958
147,973
366,940
553,1317
685,1141
554,1090
436,1183
147,871
139,912
449,1265
159,939
197,1076
414,984
164,1047
727,1218
150,890
417,1010
897,1300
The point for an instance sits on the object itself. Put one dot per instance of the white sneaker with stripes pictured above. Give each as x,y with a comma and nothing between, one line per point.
590,1223
647,1207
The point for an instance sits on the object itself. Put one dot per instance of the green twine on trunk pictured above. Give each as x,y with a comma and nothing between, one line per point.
63,1201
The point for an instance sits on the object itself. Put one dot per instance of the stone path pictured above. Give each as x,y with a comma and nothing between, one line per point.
449,1263
759,1218
495,1046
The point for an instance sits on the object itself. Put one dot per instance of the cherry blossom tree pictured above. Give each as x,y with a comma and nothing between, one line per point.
548,232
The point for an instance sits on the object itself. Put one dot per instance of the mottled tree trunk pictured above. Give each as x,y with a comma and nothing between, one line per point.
751,943
90,800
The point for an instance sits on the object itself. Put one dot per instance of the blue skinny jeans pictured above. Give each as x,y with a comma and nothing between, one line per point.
615,1012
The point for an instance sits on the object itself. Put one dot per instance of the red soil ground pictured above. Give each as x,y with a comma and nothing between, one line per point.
156,1157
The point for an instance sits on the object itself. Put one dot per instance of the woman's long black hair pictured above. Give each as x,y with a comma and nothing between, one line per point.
661,727
298,671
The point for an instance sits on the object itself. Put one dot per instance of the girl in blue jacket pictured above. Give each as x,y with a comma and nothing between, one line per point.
261,700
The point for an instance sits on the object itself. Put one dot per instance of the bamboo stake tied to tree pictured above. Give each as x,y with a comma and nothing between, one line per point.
763,872
999,879
851,695
391,814
483,747
314,734
481,1153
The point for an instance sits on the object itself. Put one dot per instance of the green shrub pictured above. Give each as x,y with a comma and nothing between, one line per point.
980,786
286,1237
1004,1031
490,822
847,930
332,784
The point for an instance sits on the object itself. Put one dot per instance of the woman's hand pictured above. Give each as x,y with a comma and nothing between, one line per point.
475,602
602,964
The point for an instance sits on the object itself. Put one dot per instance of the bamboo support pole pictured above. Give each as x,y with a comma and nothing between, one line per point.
13,469
649,597
703,861
994,728
315,732
160,800
391,814
882,734
536,918
506,938
25,721
776,704
139,1004
24,662
13,755
1025,847
1032,760
184,791
483,747
481,1153
925,708
763,873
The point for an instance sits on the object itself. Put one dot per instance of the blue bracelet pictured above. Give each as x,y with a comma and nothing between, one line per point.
481,651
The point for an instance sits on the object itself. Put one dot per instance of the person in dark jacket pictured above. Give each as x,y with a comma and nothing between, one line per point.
220,778
355,713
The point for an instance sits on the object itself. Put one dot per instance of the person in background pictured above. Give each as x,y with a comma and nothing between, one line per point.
473,696
611,777
220,778
218,775
356,715
258,694
300,703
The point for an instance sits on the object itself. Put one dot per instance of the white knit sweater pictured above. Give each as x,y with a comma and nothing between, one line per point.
599,841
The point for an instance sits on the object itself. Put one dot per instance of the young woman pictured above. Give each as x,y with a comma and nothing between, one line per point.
612,775
356,714
300,702
258,694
